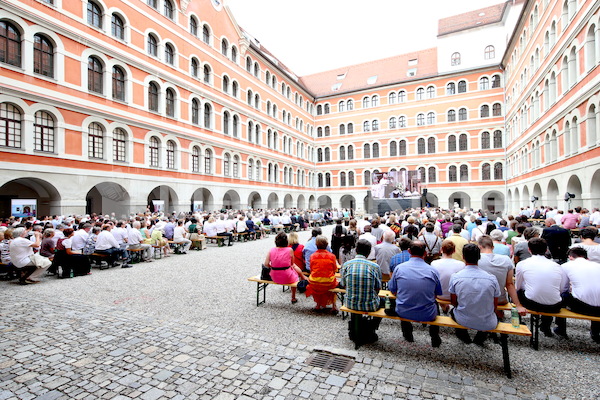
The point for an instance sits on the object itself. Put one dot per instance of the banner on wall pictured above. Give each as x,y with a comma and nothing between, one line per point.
23,207
198,205
159,205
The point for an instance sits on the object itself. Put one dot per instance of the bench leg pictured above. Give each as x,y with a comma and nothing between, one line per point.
534,326
505,357
286,289
261,287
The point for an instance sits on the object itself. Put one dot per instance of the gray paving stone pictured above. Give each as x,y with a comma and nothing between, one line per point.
335,380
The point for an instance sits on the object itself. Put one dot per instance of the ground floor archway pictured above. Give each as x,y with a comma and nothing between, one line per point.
255,201
301,202
460,200
493,202
324,202
348,201
162,199
202,199
108,198
231,200
46,196
273,201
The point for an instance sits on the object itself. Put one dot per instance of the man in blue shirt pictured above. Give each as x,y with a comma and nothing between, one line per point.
415,285
401,257
311,247
474,294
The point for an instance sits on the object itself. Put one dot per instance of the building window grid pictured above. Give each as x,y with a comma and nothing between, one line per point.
154,151
196,159
207,161
95,75
431,145
421,146
170,103
43,56
464,173
118,84
152,45
485,140
169,10
96,141
44,132
119,145
10,43
169,54
117,27
462,142
94,14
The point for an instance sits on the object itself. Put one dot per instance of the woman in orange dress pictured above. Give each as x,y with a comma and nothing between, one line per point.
323,266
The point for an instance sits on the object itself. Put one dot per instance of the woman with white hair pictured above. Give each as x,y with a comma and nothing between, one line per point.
499,248
31,266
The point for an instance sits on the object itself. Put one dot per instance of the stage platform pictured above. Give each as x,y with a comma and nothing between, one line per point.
381,206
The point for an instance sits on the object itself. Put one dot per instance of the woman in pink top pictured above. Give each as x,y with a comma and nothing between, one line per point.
280,260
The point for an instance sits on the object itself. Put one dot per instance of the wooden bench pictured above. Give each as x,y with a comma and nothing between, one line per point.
219,240
241,236
198,244
261,287
136,255
7,273
503,328
158,251
97,259
176,246
564,313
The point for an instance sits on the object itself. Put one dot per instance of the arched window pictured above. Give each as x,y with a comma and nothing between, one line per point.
327,131
451,116
44,132
95,75
497,139
366,102
171,148
226,164
392,123
484,83
450,88
343,179
319,109
350,106
342,153
224,47
486,173
94,14
119,145
43,56
350,152
170,102
195,111
169,9
375,150
351,178
497,110
95,140
208,161
350,128
320,131
251,169
319,155
393,148
421,146
430,92
366,126
226,123
402,96
430,118
375,125
489,53
495,81
152,45
420,119
374,101
248,64
236,166
455,59
367,150
392,98
342,106
236,126
462,142
207,72
485,140
462,114
205,34
207,116
464,173
420,94
194,68
402,121
452,176
258,170
118,83
402,148
367,178
256,69
193,26
498,173
234,55
327,154
10,44
431,145
431,175
169,54
235,89
342,129
196,159
484,111
326,109
462,87
225,84
452,143
154,147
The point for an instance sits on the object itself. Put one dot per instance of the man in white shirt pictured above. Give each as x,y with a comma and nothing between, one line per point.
222,229
595,217
539,283
80,237
31,266
135,242
446,266
581,292
107,244
371,239
179,236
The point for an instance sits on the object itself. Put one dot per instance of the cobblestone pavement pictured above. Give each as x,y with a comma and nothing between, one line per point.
168,330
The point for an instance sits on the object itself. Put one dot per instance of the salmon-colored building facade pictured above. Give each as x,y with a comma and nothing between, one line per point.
109,106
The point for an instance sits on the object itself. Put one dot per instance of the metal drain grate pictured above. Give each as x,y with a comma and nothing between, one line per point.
330,361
